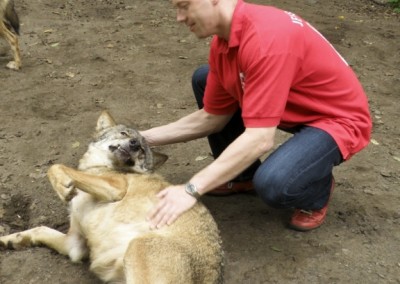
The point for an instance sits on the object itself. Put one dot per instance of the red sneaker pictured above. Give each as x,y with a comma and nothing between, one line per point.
232,188
306,220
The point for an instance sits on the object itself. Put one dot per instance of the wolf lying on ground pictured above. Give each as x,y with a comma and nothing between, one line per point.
9,29
110,196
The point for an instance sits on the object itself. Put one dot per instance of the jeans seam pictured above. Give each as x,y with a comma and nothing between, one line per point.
303,170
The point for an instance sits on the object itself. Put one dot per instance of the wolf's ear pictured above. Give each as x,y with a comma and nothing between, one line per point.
159,159
153,160
104,121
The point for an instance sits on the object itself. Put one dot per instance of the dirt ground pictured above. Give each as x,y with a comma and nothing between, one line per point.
132,58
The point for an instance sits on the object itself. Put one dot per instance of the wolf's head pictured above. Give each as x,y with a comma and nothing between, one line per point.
119,148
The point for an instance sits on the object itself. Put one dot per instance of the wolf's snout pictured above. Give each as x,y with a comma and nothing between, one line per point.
134,144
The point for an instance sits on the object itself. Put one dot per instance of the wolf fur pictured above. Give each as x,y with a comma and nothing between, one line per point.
9,30
110,195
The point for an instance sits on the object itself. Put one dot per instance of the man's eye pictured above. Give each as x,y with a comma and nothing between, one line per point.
184,6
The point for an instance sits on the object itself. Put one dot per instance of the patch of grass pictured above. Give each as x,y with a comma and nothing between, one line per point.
396,5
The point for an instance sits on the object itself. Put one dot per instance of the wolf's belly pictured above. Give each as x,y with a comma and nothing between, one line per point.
108,246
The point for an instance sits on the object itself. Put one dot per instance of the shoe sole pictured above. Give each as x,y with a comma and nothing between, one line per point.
304,229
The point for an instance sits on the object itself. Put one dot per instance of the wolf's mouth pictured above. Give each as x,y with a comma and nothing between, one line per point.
114,148
123,154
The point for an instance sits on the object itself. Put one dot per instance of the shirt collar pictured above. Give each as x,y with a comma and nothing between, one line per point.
236,29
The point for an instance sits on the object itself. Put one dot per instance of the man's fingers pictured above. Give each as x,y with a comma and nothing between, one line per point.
162,193
160,216
172,219
172,203
156,210
164,219
164,216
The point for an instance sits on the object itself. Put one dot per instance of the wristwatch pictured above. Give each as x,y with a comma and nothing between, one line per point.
191,189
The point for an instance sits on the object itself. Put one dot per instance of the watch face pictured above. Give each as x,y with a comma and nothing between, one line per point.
192,190
191,187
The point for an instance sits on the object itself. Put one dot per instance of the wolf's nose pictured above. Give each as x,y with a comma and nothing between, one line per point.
134,144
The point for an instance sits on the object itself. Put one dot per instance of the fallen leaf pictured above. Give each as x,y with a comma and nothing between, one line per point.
201,158
275,249
70,74
76,144
385,174
373,141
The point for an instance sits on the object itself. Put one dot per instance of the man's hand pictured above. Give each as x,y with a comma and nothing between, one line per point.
173,202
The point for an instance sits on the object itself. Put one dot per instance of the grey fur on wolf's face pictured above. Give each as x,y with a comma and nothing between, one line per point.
127,149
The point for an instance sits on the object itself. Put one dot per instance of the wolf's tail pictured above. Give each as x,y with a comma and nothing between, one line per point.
11,18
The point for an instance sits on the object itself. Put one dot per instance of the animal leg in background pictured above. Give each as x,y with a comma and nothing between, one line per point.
9,21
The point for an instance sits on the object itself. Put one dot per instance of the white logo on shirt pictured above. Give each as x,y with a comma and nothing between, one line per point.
295,20
242,78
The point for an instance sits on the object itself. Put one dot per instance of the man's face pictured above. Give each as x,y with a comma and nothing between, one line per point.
198,15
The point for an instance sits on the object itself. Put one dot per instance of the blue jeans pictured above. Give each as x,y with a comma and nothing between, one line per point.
298,174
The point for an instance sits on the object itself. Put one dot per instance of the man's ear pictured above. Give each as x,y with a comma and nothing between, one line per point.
104,121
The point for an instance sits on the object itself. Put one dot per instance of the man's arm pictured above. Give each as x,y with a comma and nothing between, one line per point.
195,125
247,148
242,152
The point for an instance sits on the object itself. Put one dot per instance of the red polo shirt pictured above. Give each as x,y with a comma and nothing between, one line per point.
281,72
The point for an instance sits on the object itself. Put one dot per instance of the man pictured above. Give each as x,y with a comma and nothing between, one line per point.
267,69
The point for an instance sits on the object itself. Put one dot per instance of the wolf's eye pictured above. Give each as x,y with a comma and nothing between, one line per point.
123,133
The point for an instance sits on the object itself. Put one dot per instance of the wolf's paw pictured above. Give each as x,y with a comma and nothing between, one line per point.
62,183
13,65
15,241
66,190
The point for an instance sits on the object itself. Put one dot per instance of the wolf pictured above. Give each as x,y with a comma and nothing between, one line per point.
9,29
109,196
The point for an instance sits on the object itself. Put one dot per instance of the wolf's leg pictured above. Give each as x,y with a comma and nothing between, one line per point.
105,187
36,237
12,40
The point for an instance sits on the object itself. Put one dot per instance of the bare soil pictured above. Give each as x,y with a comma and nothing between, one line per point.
132,58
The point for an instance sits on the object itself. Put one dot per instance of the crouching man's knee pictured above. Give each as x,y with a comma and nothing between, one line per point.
272,190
